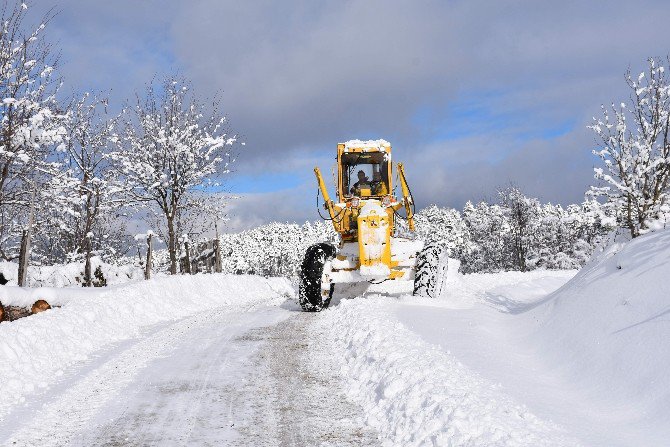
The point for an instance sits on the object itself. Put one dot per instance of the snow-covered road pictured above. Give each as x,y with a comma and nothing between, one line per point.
234,376
485,365
263,373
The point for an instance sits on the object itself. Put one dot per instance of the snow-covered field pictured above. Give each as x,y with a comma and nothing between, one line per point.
509,359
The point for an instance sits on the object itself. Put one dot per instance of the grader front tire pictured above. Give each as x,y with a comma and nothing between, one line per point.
431,270
311,273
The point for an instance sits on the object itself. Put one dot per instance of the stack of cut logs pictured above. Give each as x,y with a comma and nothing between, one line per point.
11,313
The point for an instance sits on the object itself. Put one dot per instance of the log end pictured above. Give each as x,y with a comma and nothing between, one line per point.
40,306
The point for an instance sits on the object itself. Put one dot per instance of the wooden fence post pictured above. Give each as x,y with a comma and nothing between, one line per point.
187,261
147,267
88,275
217,256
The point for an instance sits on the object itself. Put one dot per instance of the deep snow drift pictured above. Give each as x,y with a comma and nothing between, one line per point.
607,332
416,391
516,359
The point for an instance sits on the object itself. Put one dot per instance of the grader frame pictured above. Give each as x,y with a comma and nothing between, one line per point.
364,216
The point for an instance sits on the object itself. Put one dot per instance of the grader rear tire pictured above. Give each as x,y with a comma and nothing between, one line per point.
311,273
431,270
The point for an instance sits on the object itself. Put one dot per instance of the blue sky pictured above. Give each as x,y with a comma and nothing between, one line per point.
472,94
265,182
476,114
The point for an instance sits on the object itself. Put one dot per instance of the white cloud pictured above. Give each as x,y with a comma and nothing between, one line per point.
297,77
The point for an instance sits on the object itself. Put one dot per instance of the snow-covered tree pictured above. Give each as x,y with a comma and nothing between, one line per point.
484,237
171,150
275,249
635,150
520,233
30,122
488,232
86,199
27,102
441,224
522,216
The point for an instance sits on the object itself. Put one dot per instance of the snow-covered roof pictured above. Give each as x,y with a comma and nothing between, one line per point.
368,144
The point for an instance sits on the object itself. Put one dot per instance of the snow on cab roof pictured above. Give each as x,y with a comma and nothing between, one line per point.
368,144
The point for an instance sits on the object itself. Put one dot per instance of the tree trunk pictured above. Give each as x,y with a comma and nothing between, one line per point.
23,258
88,276
24,253
147,267
172,247
629,216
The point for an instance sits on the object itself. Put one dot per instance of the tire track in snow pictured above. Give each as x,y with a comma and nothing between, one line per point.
295,393
62,421
239,377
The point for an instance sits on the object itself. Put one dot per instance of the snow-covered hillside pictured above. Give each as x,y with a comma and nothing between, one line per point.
606,332
506,359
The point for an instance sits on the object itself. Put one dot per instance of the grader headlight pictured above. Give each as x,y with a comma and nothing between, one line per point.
355,202
386,201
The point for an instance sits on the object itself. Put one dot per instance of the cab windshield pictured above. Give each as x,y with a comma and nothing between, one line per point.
365,174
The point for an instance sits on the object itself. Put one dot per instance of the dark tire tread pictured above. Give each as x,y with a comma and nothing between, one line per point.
311,273
431,270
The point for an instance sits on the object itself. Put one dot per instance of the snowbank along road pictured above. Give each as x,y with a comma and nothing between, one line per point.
499,360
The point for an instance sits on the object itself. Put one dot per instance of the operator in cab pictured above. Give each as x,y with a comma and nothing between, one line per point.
363,182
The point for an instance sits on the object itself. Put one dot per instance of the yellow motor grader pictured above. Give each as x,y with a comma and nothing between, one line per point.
364,216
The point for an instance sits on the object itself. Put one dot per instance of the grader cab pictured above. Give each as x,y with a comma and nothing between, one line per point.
364,215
